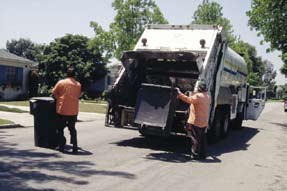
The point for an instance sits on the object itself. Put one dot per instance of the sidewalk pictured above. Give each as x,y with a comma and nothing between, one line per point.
27,120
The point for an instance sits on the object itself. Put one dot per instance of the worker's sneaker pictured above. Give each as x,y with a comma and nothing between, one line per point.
62,143
61,148
194,155
75,149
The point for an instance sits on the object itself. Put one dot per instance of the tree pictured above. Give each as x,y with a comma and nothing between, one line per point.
67,51
247,51
268,78
269,19
128,25
284,67
211,13
269,73
25,48
103,43
254,63
253,79
281,92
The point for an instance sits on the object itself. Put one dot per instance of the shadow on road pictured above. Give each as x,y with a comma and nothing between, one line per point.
22,168
176,148
237,140
81,151
280,124
169,157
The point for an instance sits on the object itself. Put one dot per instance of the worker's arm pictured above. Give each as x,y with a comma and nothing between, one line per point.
80,91
188,99
55,90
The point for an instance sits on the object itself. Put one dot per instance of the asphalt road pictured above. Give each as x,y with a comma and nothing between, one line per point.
251,159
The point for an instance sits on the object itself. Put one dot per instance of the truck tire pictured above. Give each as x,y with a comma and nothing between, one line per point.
237,122
148,137
141,131
107,118
225,124
214,133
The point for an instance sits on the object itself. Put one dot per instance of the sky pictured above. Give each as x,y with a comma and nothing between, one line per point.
42,21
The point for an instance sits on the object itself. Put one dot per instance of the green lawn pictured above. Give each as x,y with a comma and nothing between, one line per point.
15,110
5,122
92,107
275,100
16,103
85,106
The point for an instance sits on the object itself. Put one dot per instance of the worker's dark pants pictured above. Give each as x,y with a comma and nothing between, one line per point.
198,139
67,121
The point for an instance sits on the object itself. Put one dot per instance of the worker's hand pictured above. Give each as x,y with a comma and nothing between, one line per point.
172,79
178,90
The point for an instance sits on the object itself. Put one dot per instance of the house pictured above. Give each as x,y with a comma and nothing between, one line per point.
113,73
14,74
106,82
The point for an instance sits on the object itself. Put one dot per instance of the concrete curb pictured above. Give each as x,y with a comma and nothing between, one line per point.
10,126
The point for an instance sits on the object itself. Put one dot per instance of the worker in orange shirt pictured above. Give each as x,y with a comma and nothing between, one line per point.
67,93
198,119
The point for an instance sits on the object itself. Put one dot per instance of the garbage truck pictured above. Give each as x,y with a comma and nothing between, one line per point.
167,56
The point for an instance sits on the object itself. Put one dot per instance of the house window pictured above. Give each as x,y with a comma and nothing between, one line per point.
10,75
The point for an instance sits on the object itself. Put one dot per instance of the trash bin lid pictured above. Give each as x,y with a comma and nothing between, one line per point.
49,99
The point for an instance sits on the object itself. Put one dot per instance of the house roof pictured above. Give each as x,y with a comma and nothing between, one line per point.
5,55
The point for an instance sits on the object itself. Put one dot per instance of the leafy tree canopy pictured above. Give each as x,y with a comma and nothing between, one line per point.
269,75
129,22
269,18
71,51
254,63
211,13
25,48
103,43
247,51
284,67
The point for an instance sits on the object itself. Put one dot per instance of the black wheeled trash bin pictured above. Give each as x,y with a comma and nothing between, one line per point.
44,111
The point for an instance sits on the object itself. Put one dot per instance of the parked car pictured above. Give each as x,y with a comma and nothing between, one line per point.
285,105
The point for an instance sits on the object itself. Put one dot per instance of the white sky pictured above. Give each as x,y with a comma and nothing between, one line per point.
44,20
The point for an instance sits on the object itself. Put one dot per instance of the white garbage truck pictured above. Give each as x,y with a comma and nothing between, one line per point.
144,97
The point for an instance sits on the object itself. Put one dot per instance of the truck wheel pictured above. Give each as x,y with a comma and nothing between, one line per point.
148,137
225,124
141,131
107,118
237,122
213,134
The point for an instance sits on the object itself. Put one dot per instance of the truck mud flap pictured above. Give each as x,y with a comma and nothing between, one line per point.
154,109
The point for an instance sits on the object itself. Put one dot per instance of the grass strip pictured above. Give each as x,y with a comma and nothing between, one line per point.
14,110
94,108
16,103
5,122
85,106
